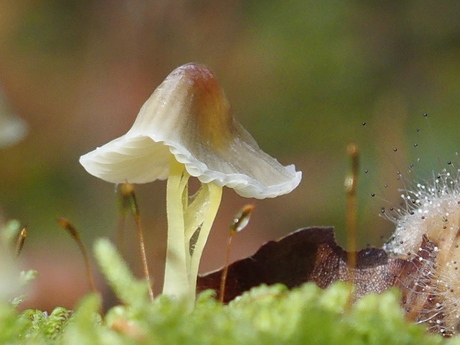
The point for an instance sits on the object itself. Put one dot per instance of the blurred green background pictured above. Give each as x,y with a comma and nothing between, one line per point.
304,77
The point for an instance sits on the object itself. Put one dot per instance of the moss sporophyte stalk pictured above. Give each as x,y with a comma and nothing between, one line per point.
186,129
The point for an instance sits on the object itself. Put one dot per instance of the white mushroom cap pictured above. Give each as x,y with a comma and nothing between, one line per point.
189,116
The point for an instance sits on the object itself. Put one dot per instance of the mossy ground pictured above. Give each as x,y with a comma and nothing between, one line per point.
264,315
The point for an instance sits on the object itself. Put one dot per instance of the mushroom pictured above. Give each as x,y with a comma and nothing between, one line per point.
186,129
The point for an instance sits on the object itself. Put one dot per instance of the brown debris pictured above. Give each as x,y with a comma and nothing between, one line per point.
312,255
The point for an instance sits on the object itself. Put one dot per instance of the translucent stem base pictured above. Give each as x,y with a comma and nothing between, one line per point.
184,250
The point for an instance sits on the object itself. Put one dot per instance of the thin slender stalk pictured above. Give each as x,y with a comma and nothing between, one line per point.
223,279
65,224
240,221
184,220
351,184
176,278
128,194
145,265
214,193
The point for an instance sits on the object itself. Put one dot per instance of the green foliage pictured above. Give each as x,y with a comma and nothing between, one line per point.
265,315
40,328
120,278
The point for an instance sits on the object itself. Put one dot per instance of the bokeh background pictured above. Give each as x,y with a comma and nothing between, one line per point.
304,77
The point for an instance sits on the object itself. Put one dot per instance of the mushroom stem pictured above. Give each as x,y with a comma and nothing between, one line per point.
176,281
188,231
213,196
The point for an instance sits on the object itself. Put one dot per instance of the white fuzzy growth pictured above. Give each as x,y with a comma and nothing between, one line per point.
432,210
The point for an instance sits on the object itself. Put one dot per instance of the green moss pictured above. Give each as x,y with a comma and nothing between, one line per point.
265,315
